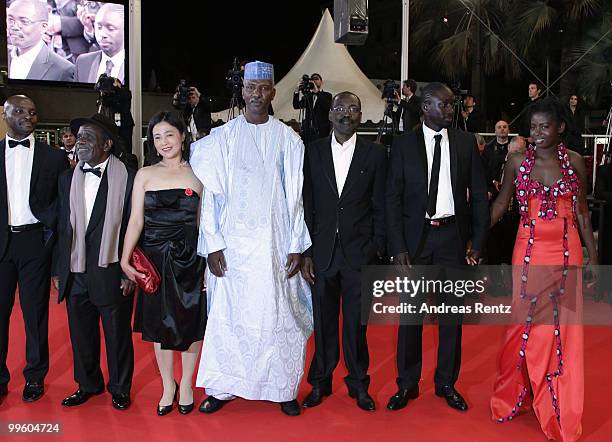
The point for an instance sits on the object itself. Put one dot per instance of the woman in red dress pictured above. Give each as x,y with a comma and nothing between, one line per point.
542,363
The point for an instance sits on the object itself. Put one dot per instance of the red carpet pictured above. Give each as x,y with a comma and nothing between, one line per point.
338,419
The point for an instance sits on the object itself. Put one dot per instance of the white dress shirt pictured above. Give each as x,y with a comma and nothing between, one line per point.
118,59
18,163
92,184
445,204
21,64
342,155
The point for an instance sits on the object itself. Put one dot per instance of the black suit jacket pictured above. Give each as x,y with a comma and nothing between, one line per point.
410,112
47,165
406,194
102,283
357,214
320,111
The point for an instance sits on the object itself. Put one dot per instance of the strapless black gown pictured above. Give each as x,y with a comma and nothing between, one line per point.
175,315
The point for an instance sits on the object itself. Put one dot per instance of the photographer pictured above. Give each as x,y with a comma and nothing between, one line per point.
316,104
114,101
408,108
195,110
470,114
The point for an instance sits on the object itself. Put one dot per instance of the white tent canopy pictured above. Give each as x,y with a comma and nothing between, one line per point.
339,72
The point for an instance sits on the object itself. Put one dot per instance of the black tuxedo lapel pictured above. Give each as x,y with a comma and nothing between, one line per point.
37,162
327,161
3,183
99,208
452,149
422,152
356,167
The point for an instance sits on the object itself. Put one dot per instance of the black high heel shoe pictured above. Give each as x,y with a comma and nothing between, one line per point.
163,410
185,409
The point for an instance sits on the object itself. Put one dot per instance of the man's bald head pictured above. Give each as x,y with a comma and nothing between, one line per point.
344,95
20,116
38,9
501,131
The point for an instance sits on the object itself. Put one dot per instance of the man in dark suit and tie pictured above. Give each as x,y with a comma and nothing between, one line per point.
110,59
94,209
29,172
431,222
30,58
344,191
316,103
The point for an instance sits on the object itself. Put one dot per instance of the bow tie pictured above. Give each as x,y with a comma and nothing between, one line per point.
14,143
95,170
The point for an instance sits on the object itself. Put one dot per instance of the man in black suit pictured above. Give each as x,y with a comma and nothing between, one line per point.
94,208
409,108
344,191
316,104
110,59
30,58
29,172
431,222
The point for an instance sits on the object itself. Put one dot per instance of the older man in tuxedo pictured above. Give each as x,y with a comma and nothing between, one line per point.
431,222
344,198
110,59
30,58
29,172
94,208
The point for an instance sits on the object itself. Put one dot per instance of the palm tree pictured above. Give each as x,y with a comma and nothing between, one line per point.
452,34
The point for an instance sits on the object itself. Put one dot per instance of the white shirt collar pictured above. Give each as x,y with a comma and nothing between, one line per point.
117,59
29,137
429,133
348,143
31,54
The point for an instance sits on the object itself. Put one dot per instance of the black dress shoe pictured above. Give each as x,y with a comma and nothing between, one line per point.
315,397
290,408
79,397
3,392
163,410
400,399
364,400
185,409
121,401
211,404
33,391
453,398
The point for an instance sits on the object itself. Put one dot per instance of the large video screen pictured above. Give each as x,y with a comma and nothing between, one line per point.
65,40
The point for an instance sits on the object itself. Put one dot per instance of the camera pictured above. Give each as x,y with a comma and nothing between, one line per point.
105,85
390,89
307,85
234,79
456,88
182,94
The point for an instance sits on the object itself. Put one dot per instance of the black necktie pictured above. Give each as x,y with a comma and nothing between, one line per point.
432,198
95,170
24,143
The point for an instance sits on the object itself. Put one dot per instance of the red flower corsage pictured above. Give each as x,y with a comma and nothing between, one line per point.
188,191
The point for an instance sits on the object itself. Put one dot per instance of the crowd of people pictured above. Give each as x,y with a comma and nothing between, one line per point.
74,41
284,229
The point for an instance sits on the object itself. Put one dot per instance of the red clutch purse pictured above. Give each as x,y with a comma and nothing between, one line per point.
150,283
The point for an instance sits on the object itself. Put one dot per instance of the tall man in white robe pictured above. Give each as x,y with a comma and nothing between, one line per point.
252,231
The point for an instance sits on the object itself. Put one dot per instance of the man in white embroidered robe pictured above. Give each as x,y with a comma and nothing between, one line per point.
252,232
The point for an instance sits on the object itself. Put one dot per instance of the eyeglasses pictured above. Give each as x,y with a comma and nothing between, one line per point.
22,21
250,88
344,109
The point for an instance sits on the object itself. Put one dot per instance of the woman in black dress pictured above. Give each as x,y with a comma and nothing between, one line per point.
165,207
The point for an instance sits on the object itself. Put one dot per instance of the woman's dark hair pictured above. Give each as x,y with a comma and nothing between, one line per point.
173,119
549,106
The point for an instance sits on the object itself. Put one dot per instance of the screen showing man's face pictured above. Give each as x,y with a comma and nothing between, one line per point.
24,28
109,31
